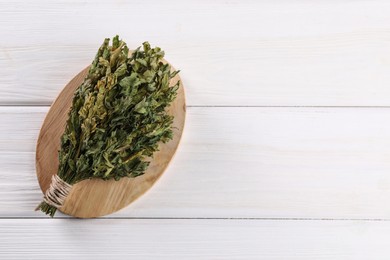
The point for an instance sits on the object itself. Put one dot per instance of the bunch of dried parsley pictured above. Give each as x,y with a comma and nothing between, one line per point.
118,115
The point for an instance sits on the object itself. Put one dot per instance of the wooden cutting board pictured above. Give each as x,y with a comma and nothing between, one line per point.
95,197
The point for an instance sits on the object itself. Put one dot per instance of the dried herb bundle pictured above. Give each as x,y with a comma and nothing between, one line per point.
118,116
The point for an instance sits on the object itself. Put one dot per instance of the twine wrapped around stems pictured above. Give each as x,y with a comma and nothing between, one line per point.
56,194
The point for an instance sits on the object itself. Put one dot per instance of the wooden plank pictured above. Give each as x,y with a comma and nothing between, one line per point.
257,53
239,162
192,239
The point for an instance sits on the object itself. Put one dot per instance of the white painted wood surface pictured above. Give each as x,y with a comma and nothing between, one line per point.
239,162
297,53
286,151
193,239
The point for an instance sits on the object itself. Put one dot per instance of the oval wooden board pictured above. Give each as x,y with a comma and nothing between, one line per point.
96,197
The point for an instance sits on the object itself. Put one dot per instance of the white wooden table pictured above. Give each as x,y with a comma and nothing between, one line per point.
286,151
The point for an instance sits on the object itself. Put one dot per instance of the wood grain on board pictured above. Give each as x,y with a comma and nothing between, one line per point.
96,197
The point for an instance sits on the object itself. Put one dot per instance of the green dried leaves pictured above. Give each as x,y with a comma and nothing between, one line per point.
118,115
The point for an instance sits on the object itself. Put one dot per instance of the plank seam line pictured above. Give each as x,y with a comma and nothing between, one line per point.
249,106
220,106
211,218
